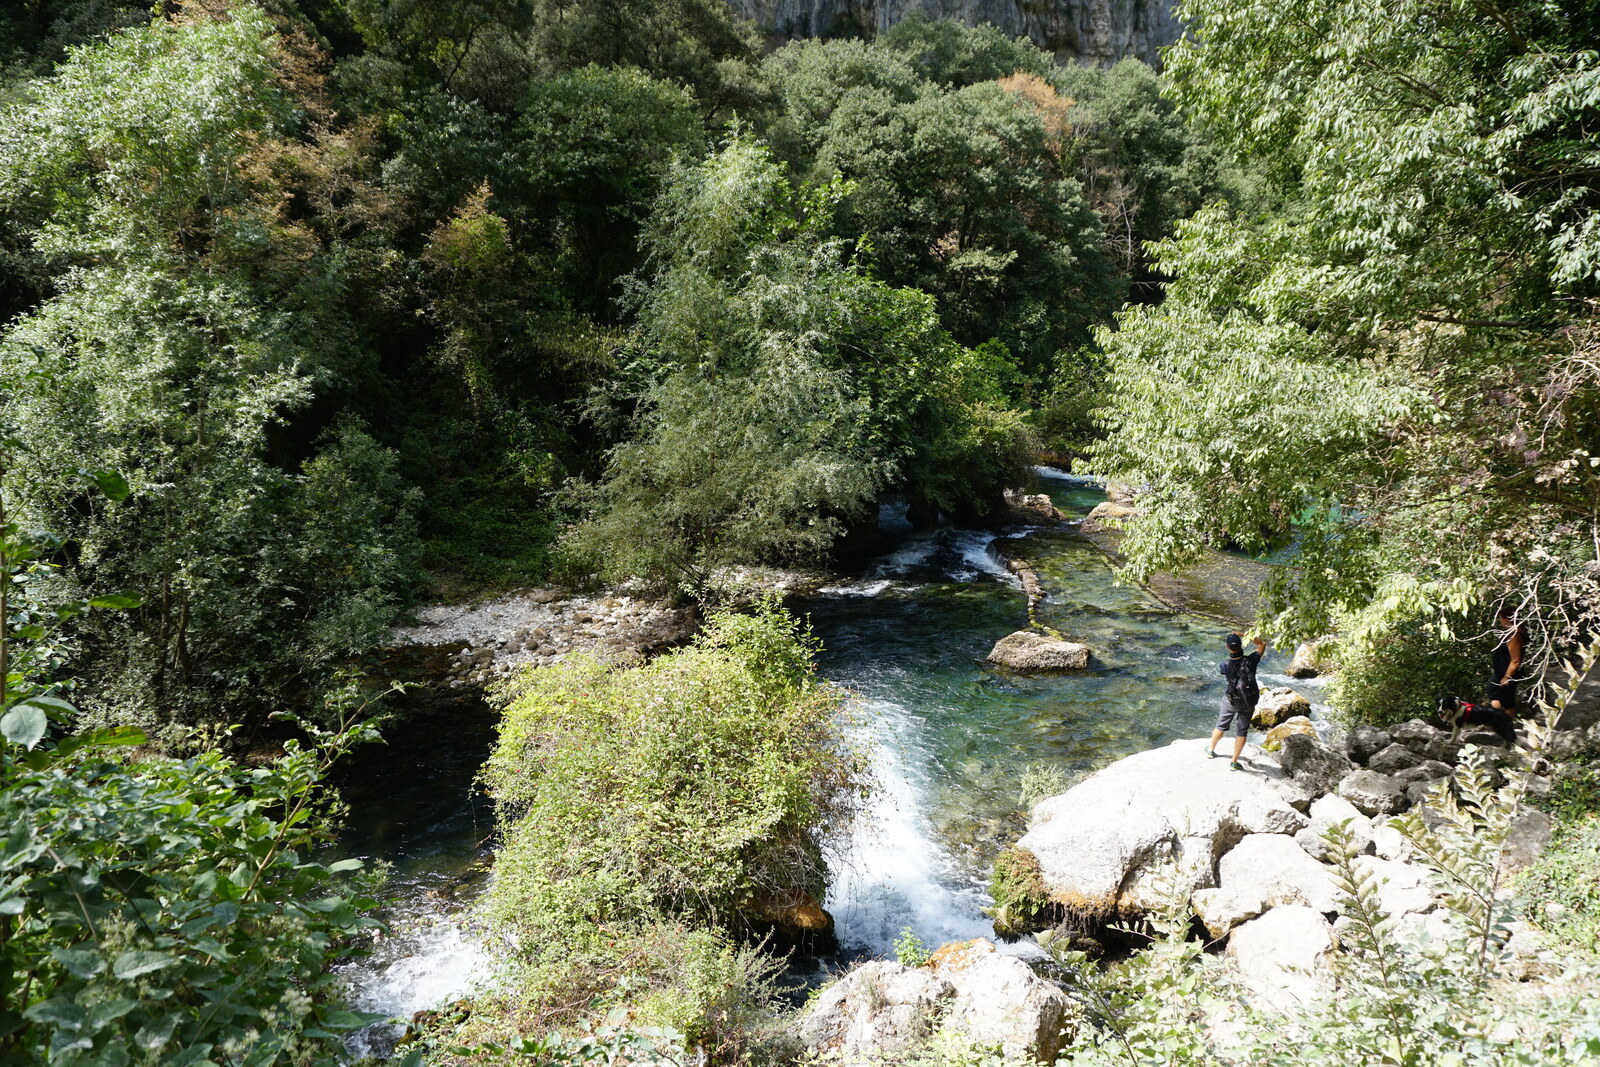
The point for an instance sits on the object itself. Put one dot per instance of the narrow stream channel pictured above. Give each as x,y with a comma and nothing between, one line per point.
954,745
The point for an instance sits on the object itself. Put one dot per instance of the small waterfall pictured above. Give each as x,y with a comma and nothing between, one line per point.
895,876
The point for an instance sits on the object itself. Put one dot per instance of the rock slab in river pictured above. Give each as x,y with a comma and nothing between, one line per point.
1032,653
1102,845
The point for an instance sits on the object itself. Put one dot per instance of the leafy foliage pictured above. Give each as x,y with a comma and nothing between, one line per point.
645,806
1398,371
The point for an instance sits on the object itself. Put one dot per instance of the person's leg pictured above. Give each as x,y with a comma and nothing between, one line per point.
1238,747
1216,735
1223,720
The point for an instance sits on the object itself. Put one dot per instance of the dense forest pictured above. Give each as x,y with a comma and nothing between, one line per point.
312,311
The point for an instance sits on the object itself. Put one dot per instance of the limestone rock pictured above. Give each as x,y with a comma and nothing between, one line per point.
1396,757
1297,725
1390,843
1282,957
1033,653
1223,909
1327,811
1364,741
1373,793
1426,771
1101,844
1032,507
1414,734
1106,515
1310,761
1403,888
1277,705
1000,1001
1311,659
1086,31
1483,739
1530,833
877,1011
1276,867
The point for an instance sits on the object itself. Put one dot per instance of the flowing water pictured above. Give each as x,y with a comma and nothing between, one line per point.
959,750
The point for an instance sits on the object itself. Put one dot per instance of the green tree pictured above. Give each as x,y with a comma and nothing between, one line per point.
1400,371
789,389
191,319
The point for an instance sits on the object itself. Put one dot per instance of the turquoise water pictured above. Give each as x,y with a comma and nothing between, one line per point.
955,742
959,750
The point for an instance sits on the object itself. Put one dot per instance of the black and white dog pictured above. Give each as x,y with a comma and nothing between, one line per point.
1459,713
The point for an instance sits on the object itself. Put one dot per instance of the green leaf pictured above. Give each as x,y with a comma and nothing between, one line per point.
345,865
116,601
156,1034
57,1011
108,1010
24,725
139,961
112,484
79,962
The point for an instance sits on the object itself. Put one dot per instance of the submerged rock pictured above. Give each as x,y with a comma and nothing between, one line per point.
1033,653
1105,845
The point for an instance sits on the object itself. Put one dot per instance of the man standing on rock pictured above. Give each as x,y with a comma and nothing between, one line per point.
1239,705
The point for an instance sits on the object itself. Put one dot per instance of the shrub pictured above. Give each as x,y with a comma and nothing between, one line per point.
1019,893
670,792
1401,671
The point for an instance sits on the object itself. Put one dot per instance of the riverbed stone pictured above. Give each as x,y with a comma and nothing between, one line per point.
1313,763
1390,843
1312,659
1299,724
1403,888
1279,870
999,1001
1396,757
1277,705
1414,734
1028,652
1107,515
1526,841
1325,812
878,1011
1366,740
1103,845
1426,771
1373,793
1282,958
1220,910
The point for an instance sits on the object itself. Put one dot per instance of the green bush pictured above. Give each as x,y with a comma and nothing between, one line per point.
666,793
1019,893
1401,672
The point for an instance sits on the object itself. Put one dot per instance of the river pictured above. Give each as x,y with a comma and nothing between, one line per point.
959,751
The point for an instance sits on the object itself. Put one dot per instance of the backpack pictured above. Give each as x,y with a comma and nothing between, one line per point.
1242,683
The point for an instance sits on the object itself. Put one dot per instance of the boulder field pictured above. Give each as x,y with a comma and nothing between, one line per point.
1245,848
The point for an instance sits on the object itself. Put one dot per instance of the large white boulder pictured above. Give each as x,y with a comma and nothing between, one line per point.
1103,845
1403,888
877,1011
1276,869
1032,653
1000,1002
1325,812
1220,910
1282,958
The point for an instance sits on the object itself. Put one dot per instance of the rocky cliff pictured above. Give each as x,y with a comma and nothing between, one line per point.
1085,31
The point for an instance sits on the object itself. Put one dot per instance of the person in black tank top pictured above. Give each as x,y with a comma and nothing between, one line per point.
1239,701
1507,663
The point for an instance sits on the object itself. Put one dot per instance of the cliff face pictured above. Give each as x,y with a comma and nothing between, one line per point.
1085,31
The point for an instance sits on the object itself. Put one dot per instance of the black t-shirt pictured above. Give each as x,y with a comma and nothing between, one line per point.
1246,664
1502,655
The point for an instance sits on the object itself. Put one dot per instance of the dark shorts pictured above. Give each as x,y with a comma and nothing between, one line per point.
1505,694
1238,717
